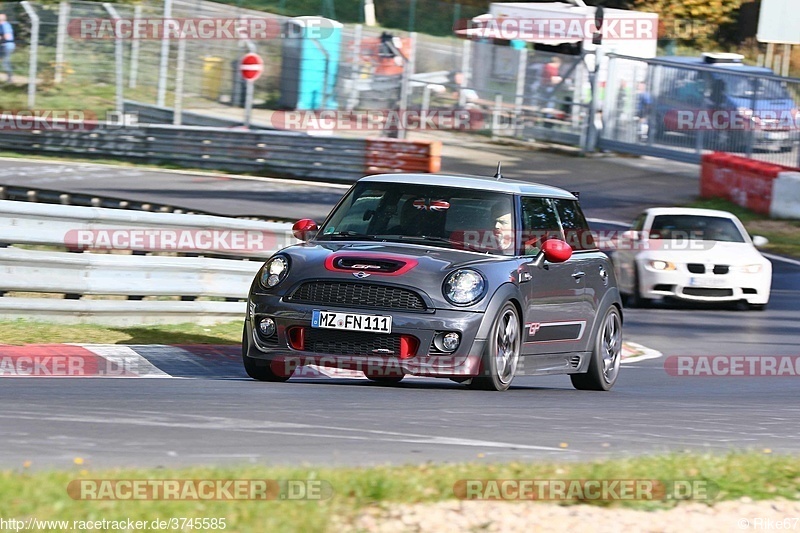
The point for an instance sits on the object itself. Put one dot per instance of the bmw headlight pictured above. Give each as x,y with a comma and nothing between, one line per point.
749,269
274,271
464,287
661,265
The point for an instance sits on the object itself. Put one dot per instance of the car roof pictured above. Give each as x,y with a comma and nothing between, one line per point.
474,182
698,61
655,211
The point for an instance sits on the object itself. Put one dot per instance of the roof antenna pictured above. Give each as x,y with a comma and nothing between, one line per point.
498,176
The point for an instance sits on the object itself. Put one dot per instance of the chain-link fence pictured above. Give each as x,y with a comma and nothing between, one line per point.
680,107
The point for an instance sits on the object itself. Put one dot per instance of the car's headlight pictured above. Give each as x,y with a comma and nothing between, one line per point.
661,265
464,287
274,271
748,269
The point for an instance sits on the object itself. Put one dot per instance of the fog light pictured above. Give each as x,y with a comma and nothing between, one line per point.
447,342
451,341
267,327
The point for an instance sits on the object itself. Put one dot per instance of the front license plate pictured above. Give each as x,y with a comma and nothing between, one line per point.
351,321
777,135
706,282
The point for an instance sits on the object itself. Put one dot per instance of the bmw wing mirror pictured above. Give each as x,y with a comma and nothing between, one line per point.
759,241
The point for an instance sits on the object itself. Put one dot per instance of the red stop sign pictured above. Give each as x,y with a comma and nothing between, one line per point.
251,66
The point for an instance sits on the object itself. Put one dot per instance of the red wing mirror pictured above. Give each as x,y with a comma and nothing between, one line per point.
302,229
556,250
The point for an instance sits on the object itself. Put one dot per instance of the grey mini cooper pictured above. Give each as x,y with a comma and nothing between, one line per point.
468,278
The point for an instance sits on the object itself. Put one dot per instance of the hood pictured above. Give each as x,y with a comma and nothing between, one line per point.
421,268
706,252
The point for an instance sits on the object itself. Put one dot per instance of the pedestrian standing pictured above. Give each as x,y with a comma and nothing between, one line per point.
6,46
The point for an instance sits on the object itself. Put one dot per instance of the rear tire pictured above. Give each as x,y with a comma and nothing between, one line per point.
606,355
259,369
500,358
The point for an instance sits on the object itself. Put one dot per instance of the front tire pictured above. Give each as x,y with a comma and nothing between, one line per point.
259,369
606,355
500,358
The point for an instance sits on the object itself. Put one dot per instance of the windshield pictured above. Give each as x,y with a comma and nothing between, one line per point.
742,87
468,219
695,227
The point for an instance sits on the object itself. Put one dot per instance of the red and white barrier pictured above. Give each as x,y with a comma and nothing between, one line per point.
764,188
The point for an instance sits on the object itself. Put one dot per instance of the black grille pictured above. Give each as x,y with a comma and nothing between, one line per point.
351,342
357,295
721,269
696,268
713,293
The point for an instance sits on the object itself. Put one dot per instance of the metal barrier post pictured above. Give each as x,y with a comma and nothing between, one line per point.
496,112
33,52
134,69
750,131
465,74
355,69
177,108
118,60
408,71
519,121
61,40
162,66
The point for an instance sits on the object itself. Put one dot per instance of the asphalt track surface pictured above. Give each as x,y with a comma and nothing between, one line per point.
216,419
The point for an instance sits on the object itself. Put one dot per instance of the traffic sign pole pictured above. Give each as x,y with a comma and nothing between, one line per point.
248,104
250,68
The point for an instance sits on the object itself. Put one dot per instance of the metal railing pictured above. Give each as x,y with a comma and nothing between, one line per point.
140,267
273,153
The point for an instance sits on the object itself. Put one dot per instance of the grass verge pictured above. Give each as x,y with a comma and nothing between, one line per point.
29,332
43,494
783,235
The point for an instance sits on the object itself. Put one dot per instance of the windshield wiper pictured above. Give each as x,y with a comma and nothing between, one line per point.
349,233
435,238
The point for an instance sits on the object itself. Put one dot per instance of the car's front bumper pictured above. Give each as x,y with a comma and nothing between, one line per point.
283,349
753,288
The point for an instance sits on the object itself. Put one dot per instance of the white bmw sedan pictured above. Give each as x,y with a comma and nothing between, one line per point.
692,254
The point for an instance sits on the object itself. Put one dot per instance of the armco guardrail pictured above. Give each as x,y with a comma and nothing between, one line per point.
274,153
86,227
91,283
761,187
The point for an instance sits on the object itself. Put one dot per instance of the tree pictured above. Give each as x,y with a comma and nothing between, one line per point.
692,22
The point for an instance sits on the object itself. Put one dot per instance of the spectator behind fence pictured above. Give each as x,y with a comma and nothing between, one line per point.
6,46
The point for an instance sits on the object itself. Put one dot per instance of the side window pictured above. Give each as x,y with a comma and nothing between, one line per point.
638,224
576,230
539,223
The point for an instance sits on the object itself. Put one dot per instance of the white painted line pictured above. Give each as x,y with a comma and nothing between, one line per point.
780,258
125,361
645,353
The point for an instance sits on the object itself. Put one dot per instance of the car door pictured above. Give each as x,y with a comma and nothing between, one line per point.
590,267
553,321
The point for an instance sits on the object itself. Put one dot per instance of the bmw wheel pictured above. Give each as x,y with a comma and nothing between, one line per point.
606,355
500,358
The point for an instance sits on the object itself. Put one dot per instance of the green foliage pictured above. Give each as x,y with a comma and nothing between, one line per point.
694,22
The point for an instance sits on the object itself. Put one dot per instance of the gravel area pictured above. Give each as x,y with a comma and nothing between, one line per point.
462,516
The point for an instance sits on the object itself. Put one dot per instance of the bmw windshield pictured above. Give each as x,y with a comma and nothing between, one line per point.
469,219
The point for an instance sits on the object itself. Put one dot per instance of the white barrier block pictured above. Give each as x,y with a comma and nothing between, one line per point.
786,196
